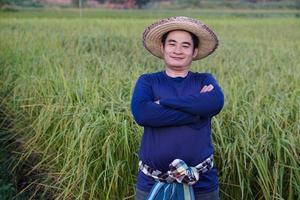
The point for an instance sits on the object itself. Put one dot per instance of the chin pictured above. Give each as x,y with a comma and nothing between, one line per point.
176,64
177,67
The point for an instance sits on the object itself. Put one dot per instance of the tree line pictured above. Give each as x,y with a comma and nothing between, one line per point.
142,3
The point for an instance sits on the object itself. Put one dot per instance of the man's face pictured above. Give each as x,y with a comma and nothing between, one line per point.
178,50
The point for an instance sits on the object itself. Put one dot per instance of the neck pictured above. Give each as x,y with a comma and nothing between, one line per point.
173,73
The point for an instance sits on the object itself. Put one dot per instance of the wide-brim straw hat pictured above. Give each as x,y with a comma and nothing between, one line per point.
208,41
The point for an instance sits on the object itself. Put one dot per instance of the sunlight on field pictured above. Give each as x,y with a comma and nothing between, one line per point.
68,83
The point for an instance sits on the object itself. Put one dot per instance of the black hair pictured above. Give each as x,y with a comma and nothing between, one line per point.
194,38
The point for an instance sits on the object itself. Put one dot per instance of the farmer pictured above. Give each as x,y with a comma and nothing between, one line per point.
175,107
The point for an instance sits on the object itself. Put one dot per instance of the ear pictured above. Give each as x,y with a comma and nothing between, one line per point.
195,52
161,47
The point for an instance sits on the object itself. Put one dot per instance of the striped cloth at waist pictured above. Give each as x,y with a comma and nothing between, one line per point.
177,182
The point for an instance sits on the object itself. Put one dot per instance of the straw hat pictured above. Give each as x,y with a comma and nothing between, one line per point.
152,35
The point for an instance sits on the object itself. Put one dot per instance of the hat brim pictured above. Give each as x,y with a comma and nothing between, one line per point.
208,41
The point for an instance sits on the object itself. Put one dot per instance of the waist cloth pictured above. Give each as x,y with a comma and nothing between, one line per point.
176,184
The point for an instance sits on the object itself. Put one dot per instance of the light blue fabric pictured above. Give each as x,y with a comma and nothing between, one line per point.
174,191
178,183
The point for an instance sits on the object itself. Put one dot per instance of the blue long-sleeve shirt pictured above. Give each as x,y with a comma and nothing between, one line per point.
178,127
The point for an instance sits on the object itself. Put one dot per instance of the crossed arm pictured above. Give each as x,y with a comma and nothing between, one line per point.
175,111
207,103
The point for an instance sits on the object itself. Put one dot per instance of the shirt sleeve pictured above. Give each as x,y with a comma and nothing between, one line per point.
148,113
205,105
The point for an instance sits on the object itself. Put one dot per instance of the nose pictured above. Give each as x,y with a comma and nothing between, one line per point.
177,49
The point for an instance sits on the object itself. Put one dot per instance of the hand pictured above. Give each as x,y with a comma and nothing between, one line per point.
157,101
207,88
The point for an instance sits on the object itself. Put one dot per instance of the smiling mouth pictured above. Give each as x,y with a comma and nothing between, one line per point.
176,58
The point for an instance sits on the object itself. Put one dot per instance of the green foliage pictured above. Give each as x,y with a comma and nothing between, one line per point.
141,3
79,3
7,191
237,4
70,82
25,3
240,4
187,2
3,2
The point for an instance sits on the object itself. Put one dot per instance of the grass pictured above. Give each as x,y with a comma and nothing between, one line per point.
7,189
10,182
67,84
16,178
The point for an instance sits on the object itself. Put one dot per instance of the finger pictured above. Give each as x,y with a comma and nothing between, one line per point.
210,87
207,88
203,89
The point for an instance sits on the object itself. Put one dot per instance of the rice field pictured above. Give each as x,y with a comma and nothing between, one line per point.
66,84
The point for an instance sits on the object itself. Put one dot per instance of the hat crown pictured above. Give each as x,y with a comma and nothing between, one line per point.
170,19
183,19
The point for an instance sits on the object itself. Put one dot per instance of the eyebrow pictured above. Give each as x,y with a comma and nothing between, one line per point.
170,40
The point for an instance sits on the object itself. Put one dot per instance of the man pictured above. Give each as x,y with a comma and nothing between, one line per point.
175,107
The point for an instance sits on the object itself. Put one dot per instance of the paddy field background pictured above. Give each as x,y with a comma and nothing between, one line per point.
66,84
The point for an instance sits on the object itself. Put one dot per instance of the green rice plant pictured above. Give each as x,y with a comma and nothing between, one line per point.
68,82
